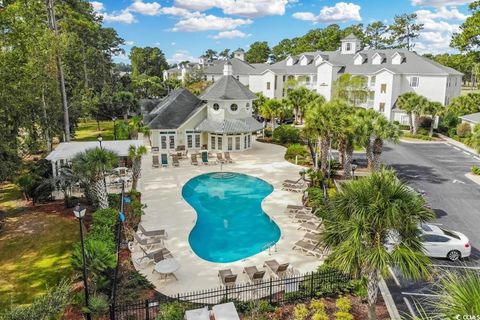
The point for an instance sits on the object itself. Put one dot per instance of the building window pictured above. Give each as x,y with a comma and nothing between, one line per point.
171,140
349,46
249,140
372,81
230,143
234,107
212,142
405,120
220,143
414,81
193,139
383,88
245,142
237,143
189,141
381,107
268,85
213,79
163,140
216,106
284,78
275,83
247,106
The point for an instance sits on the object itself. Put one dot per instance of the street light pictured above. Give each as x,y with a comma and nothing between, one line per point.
114,129
354,167
79,212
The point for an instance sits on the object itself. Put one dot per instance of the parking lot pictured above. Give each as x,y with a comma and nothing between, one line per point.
439,170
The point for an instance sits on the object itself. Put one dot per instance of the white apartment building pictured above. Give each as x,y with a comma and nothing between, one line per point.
389,73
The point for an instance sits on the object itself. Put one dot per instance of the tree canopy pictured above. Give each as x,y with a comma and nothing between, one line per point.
259,52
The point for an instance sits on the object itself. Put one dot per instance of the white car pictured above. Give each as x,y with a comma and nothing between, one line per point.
442,243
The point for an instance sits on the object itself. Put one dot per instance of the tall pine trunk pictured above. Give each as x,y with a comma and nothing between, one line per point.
347,168
46,131
372,290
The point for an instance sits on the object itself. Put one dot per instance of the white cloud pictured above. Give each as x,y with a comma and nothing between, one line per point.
441,13
97,6
244,8
340,12
124,16
437,29
173,43
230,35
181,55
180,12
146,8
439,3
209,22
129,43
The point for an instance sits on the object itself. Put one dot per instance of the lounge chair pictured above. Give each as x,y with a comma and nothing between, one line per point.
254,275
225,311
147,243
155,161
159,233
194,161
164,158
279,270
149,256
293,182
304,217
228,158
295,188
311,237
198,314
311,227
309,248
175,161
205,158
220,158
227,277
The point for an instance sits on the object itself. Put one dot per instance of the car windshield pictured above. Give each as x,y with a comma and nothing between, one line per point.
450,234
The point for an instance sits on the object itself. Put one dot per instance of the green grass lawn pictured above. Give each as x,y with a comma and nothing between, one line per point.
466,90
35,253
9,195
88,130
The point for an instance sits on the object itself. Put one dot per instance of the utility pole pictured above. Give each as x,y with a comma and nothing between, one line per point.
52,22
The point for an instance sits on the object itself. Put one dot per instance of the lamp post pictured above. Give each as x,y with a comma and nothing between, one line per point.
114,118
354,167
79,212
100,139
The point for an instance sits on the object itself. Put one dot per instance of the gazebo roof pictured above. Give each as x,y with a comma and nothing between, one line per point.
68,150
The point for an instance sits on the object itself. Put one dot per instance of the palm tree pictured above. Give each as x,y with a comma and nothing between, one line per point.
135,154
432,108
474,140
361,220
412,104
295,98
382,130
92,165
323,119
63,182
270,109
349,134
351,88
365,119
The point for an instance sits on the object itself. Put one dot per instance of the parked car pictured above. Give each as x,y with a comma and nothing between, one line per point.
443,243
439,242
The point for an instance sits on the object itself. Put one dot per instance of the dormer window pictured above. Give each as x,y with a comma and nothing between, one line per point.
289,61
398,58
349,46
414,82
378,58
359,59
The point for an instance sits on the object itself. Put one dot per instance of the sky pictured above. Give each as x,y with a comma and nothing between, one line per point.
184,29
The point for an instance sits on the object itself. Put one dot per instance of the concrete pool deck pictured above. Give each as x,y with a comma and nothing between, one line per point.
166,209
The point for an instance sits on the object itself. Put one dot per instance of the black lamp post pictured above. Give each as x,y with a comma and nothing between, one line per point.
354,167
114,118
79,212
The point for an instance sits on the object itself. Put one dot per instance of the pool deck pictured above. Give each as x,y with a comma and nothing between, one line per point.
166,209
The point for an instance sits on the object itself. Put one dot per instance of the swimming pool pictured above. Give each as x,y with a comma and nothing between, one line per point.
231,224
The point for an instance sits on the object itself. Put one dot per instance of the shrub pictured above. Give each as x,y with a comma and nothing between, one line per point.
320,316
425,122
300,312
268,132
286,134
47,307
296,150
475,170
343,316
422,132
171,311
464,130
417,136
317,305
334,283
343,304
98,305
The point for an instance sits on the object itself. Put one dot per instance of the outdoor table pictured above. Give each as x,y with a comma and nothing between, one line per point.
167,266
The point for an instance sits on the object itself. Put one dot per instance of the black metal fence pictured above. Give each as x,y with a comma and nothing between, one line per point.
276,291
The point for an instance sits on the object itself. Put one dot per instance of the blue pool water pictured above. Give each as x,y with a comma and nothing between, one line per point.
231,224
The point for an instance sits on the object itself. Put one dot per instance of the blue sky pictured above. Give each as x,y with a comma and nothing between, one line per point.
184,29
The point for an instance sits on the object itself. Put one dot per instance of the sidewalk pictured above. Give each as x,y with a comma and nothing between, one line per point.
458,144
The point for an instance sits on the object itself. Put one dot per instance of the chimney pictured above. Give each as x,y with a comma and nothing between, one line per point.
227,69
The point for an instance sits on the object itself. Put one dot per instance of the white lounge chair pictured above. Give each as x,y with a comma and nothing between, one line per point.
311,237
279,270
304,217
159,233
198,314
254,275
225,311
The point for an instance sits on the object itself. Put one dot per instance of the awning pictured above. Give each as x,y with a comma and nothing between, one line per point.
230,126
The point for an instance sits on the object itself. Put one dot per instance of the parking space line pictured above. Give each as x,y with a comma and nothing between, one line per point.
459,267
477,158
420,294
409,306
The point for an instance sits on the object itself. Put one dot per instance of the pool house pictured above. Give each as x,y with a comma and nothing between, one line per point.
218,120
